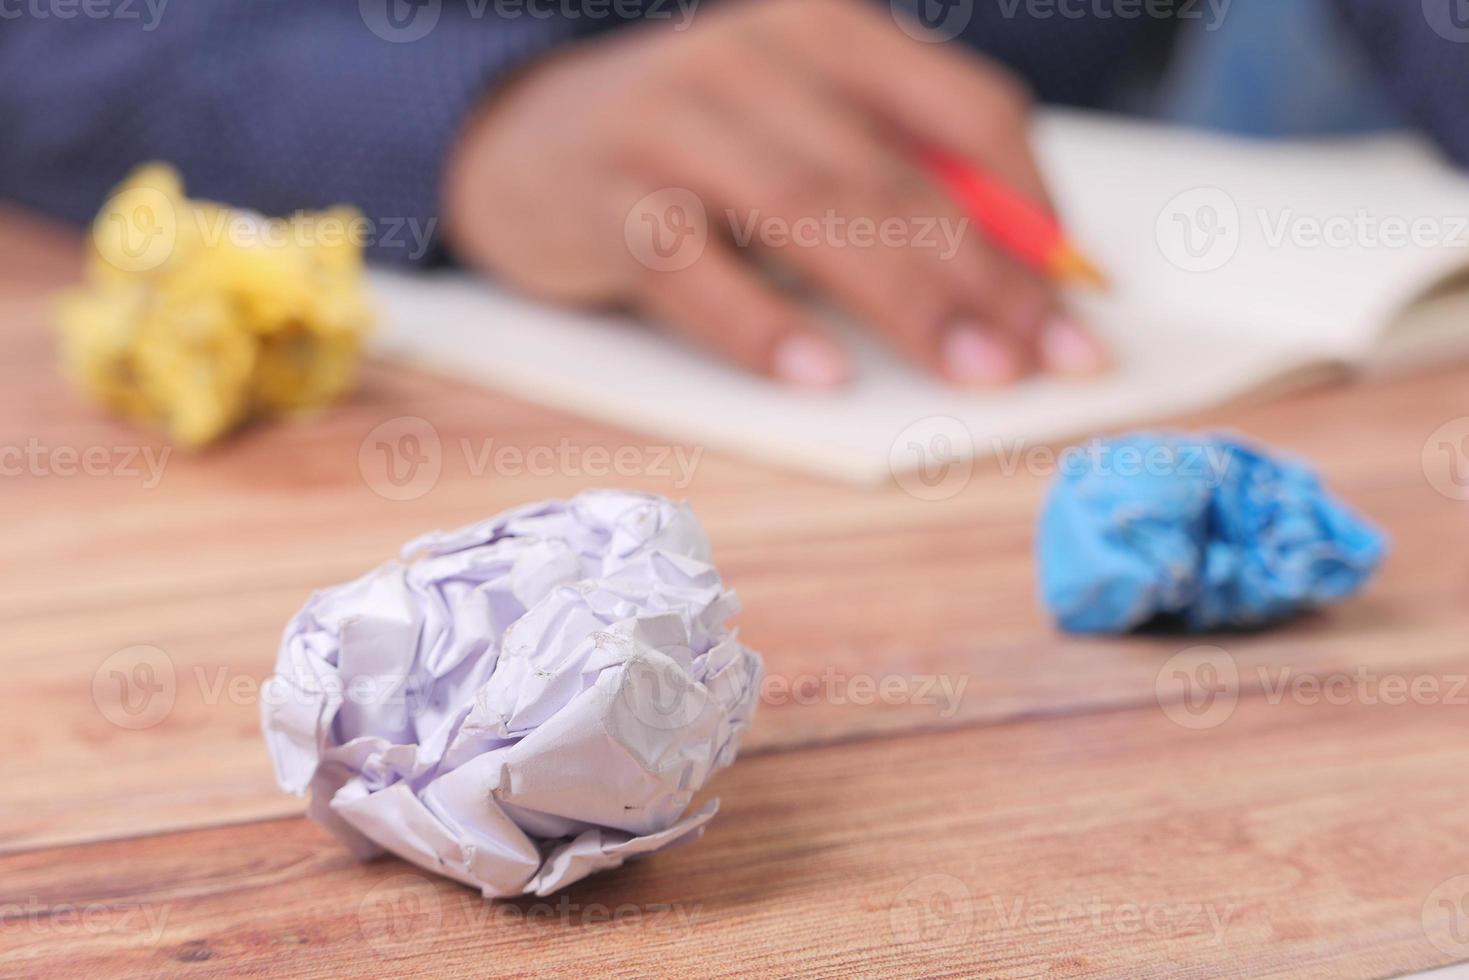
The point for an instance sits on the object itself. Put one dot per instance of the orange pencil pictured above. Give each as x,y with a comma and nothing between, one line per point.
1017,225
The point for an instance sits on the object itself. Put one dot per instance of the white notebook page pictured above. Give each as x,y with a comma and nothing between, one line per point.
1192,322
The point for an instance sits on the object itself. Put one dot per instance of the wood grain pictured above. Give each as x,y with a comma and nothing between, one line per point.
1112,845
1055,773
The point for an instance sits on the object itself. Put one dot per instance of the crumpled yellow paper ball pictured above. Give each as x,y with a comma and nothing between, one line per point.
198,317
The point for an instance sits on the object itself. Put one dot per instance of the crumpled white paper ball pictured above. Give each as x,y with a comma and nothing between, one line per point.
521,702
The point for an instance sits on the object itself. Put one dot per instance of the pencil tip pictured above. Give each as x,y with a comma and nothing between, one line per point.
1067,265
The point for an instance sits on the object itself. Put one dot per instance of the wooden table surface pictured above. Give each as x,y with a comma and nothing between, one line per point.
1020,804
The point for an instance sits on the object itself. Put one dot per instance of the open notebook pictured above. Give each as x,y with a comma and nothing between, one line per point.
1236,266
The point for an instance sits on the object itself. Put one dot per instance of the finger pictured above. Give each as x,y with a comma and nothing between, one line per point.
721,303
930,92
756,190
868,176
937,95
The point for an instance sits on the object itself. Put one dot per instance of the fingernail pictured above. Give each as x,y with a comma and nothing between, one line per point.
811,362
1068,349
973,355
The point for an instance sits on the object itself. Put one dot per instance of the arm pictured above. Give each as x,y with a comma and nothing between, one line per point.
1422,52
276,105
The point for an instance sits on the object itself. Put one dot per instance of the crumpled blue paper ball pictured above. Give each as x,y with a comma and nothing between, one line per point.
1198,532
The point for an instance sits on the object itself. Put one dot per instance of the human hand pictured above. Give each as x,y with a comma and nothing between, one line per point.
767,133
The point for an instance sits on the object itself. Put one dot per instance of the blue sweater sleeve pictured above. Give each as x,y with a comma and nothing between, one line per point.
1421,51
275,105
279,105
